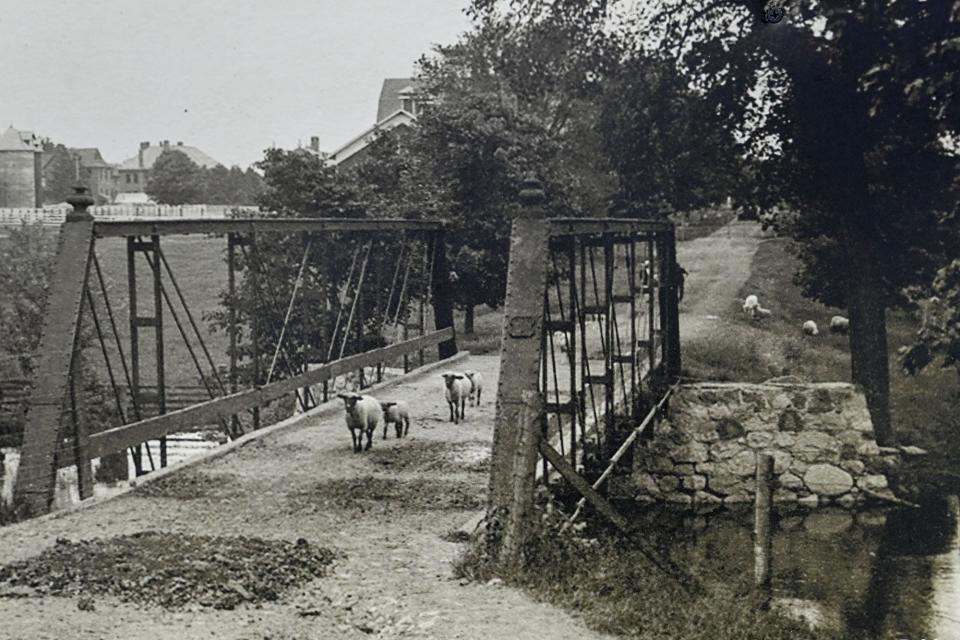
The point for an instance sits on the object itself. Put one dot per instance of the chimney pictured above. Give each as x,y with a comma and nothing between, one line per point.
315,143
179,143
166,143
143,146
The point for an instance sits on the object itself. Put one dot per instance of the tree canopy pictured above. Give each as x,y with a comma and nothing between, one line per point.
175,179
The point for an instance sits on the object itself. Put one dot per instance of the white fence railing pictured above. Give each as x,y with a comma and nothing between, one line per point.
55,215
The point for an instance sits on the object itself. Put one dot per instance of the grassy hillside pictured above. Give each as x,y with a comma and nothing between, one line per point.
925,408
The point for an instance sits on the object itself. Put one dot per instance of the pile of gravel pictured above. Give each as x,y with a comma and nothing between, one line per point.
172,570
190,484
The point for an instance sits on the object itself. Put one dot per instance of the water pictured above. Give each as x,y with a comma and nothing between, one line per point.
878,575
66,492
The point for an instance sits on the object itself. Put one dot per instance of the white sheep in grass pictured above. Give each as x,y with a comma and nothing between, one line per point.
839,324
476,387
750,304
398,414
456,391
363,415
810,328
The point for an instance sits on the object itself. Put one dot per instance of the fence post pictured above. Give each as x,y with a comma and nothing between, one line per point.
763,534
521,341
670,306
48,397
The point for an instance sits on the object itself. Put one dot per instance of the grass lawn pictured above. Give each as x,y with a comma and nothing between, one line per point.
199,266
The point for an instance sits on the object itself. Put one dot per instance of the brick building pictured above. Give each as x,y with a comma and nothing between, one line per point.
20,169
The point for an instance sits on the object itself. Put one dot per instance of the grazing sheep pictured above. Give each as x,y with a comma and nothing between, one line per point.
457,388
476,387
750,304
810,328
560,340
363,415
839,324
398,414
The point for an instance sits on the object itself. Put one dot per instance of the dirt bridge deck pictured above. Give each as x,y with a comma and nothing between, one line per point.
303,481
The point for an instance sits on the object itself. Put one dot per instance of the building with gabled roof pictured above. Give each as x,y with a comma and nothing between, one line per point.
401,101
21,155
94,172
133,173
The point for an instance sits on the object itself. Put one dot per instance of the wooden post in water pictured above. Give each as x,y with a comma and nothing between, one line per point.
762,530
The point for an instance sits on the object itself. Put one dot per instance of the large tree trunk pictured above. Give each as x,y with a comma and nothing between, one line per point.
468,320
869,366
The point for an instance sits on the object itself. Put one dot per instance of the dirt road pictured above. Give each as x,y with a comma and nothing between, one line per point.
386,512
718,266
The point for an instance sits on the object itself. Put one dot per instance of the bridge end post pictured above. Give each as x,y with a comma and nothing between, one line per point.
521,342
48,398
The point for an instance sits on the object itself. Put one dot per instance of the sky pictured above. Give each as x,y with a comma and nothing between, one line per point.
231,77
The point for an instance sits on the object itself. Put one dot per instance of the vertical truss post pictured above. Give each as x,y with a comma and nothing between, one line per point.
575,399
610,386
651,308
634,352
232,319
61,326
255,320
158,335
442,295
670,306
134,335
522,340
425,293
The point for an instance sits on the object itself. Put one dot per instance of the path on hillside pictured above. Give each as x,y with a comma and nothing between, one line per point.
386,510
718,266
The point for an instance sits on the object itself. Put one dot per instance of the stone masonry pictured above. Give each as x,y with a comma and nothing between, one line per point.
705,452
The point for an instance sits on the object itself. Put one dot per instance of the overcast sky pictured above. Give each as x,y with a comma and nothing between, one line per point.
231,77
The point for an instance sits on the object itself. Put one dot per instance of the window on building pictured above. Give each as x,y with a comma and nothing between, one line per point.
136,178
127,177
407,104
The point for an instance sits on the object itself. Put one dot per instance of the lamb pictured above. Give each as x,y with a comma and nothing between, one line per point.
398,414
810,328
750,304
456,392
839,324
476,387
363,415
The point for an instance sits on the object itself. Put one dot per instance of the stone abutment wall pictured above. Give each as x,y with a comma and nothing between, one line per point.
705,452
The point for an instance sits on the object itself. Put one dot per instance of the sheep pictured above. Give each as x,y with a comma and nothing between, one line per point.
476,387
560,340
750,303
398,414
363,414
839,324
457,388
810,328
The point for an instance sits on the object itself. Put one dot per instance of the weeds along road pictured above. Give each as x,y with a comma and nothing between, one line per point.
385,513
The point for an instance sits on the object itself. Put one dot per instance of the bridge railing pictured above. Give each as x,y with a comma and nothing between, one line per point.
304,301
590,330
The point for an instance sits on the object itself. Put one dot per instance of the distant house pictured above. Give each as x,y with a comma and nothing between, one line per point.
401,101
21,171
133,173
94,172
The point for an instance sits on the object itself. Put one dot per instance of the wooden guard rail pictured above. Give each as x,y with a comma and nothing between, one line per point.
134,433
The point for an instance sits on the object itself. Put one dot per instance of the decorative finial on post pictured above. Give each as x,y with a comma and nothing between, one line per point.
80,200
532,198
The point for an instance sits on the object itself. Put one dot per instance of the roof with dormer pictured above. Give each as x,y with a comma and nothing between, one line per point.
392,91
12,140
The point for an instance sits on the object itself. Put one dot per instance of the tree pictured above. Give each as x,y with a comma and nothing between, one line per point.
842,110
175,179
59,175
